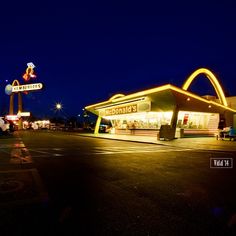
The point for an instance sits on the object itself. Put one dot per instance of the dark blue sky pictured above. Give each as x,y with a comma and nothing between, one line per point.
85,53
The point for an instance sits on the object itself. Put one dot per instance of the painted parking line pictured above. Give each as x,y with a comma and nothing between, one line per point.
60,152
47,152
14,145
132,150
15,153
20,156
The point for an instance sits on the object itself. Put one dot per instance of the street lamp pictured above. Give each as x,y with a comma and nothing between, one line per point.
58,110
58,106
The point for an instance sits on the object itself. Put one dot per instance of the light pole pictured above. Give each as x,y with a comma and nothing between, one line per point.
85,118
57,108
60,110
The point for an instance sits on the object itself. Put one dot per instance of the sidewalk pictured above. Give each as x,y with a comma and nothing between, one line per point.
203,143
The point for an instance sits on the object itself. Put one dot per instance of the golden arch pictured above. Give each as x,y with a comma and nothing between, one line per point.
215,83
119,95
15,82
11,108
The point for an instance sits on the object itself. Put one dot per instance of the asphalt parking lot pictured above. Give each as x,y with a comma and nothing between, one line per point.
68,184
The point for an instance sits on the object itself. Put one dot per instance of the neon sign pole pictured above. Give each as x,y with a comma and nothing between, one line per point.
11,110
16,87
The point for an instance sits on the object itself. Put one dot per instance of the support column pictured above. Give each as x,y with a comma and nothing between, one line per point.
174,118
173,122
99,119
20,124
11,108
19,102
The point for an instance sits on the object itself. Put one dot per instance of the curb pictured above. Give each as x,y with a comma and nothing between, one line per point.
122,140
162,144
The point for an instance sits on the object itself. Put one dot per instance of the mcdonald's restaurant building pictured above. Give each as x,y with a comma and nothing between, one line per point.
185,113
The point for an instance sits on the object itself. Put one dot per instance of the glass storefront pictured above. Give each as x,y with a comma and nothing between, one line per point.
197,120
154,120
147,120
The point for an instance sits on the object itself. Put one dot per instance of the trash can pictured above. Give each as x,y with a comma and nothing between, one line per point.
179,133
166,132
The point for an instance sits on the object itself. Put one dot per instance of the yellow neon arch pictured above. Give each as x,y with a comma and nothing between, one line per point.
15,82
119,95
215,83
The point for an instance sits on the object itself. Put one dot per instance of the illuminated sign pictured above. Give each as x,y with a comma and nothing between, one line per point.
121,110
27,87
21,114
29,73
12,117
126,109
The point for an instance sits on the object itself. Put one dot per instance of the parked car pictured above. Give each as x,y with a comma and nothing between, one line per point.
12,126
104,129
4,126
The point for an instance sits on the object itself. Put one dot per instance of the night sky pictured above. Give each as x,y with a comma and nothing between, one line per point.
85,53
